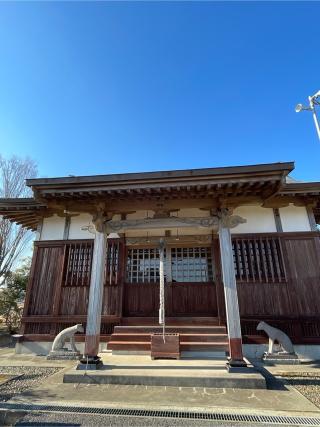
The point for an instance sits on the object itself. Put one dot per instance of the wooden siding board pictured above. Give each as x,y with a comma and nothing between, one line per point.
292,293
45,280
304,274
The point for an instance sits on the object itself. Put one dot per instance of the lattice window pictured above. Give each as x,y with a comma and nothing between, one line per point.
78,262
143,265
191,265
258,260
112,262
181,265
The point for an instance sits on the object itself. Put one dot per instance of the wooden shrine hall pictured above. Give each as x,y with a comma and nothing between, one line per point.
240,245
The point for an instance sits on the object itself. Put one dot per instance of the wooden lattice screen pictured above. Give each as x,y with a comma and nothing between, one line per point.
114,261
258,260
77,268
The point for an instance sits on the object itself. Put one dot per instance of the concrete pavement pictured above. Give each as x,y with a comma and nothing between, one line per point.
279,400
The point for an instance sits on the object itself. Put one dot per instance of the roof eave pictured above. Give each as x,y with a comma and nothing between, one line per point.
162,176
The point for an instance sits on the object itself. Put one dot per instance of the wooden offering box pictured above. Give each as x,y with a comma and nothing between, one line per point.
170,349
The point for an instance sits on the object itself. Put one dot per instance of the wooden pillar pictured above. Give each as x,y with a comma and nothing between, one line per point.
230,293
311,217
67,223
277,220
92,339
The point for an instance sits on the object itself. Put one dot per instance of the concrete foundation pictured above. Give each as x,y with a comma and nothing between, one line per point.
304,352
63,354
251,351
141,370
42,348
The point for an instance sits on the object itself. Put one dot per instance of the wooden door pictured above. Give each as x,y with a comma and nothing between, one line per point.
190,288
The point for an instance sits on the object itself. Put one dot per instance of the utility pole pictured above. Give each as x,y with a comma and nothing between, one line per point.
314,101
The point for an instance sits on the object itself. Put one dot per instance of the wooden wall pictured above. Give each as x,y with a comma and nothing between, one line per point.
58,290
292,303
278,280
181,299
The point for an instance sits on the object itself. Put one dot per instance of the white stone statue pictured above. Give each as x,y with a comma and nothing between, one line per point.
64,335
275,335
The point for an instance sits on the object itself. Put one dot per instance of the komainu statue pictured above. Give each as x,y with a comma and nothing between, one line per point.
275,335
58,351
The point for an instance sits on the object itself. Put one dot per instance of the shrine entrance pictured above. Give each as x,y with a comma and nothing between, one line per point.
190,281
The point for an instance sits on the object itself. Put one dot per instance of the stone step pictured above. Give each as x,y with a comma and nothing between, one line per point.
175,377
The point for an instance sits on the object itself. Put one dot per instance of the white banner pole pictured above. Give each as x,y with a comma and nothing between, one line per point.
162,296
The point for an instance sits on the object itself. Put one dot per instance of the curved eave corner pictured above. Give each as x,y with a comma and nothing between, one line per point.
23,211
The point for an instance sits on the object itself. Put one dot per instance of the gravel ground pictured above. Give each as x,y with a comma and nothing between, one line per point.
307,385
28,377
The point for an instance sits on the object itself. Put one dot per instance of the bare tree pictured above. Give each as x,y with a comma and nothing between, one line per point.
13,238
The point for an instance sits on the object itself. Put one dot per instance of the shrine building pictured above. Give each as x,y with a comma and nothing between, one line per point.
241,245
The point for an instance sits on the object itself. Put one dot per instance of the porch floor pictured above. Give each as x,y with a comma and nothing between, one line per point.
141,370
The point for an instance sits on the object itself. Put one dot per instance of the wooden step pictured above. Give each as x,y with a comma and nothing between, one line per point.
129,345
135,321
184,346
171,329
130,337
203,346
200,334
204,338
119,337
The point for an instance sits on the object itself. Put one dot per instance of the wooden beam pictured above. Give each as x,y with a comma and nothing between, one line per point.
31,223
81,318
210,223
19,213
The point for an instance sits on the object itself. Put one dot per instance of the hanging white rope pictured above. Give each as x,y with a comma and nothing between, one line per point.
162,306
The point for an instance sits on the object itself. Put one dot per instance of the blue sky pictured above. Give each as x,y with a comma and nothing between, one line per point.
91,88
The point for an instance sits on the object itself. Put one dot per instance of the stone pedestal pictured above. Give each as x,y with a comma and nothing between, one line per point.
236,365
281,359
89,363
63,354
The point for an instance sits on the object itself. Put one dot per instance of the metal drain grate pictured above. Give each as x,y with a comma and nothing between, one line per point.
264,419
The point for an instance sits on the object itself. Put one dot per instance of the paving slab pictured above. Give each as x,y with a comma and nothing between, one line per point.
284,401
53,391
